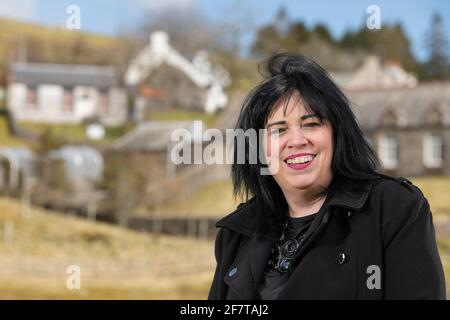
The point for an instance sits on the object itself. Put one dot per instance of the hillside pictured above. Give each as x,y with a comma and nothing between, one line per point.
37,246
56,45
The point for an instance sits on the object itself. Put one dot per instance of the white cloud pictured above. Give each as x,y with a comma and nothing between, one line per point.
18,9
163,4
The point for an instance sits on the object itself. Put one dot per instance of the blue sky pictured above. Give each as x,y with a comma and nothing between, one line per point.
109,16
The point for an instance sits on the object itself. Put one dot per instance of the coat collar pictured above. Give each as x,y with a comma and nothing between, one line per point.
242,220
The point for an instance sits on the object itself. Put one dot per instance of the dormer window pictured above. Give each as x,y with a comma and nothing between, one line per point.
434,117
388,151
432,151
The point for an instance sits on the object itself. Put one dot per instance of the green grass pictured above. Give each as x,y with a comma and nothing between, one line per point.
208,119
74,133
6,140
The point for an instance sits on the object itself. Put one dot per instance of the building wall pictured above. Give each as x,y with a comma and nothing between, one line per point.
117,112
175,90
410,150
50,104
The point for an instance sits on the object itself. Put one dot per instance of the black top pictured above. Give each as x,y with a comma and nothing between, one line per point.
275,275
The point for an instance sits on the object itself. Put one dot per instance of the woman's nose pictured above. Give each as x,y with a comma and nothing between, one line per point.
296,138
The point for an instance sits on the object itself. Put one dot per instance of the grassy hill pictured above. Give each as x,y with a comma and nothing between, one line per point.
6,139
37,246
57,45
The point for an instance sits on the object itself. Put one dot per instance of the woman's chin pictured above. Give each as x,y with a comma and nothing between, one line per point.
301,185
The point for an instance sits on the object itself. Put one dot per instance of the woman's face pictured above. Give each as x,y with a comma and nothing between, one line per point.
305,147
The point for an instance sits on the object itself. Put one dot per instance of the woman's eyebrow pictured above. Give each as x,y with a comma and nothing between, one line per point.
275,123
306,116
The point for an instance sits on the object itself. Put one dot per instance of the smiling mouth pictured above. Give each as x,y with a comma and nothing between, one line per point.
300,160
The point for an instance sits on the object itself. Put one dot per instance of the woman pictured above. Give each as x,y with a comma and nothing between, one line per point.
324,224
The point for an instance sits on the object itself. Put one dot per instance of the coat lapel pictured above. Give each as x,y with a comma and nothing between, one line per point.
259,255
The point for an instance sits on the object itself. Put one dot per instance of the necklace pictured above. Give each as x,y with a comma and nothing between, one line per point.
283,253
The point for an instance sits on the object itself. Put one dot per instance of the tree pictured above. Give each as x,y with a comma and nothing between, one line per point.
437,65
282,20
297,35
323,33
389,42
188,28
268,41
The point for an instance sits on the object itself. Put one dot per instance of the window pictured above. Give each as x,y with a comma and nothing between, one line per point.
432,151
388,151
68,101
31,99
434,117
103,105
390,119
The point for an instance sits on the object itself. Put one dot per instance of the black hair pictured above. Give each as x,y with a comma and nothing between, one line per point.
286,75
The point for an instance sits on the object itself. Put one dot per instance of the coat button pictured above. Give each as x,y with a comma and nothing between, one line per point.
349,214
232,272
342,258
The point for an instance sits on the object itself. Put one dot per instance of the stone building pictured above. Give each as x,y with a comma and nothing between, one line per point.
408,127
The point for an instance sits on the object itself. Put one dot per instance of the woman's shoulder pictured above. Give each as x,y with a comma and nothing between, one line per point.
241,220
399,202
399,188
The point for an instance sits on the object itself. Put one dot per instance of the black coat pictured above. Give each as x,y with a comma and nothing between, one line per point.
384,230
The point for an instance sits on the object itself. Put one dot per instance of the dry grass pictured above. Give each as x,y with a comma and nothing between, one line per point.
437,191
115,263
213,200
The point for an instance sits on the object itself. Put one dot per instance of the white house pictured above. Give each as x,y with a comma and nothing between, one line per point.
54,93
193,84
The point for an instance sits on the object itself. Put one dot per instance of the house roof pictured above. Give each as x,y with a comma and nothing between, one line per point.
152,136
410,106
374,74
34,74
81,162
23,157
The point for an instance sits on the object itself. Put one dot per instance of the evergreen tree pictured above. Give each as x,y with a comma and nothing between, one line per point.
437,65
282,20
268,41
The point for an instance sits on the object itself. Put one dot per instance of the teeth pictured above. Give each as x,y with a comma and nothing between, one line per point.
302,159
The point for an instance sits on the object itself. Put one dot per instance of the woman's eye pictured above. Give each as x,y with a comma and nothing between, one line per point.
276,131
312,124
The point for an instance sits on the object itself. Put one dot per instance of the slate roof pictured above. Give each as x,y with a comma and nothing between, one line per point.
410,105
151,136
34,74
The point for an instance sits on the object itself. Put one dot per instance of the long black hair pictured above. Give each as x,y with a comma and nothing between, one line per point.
287,75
